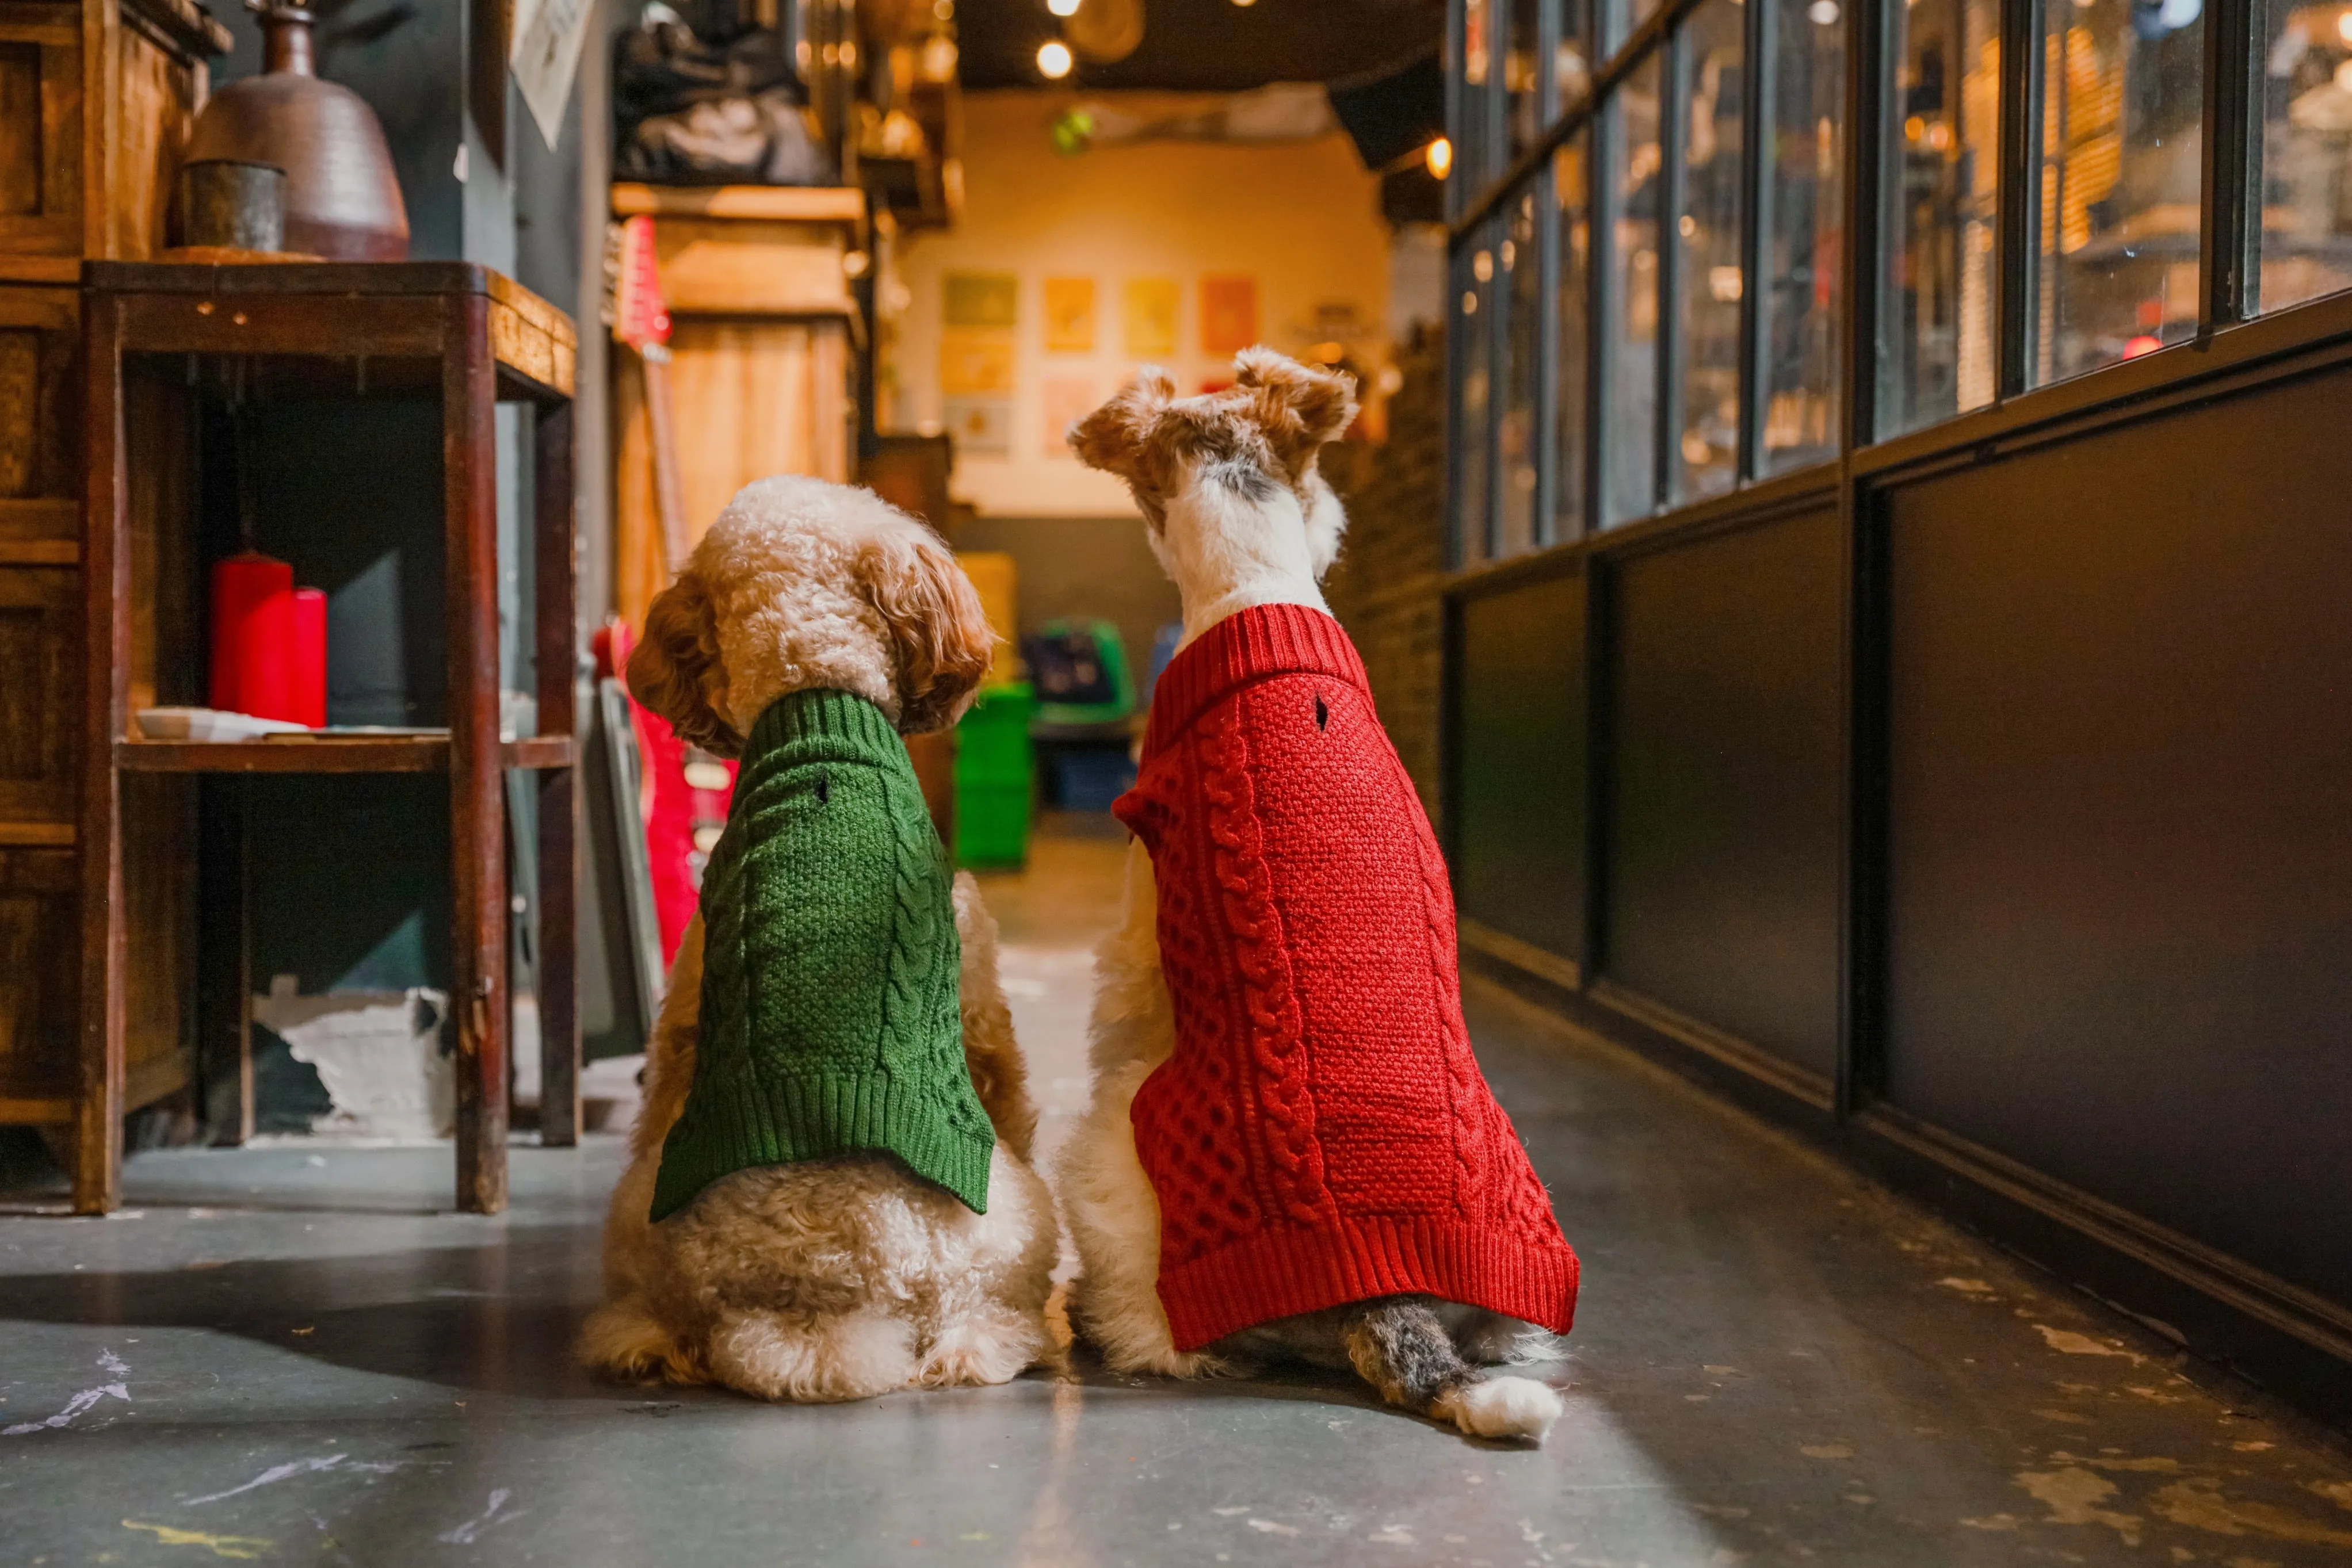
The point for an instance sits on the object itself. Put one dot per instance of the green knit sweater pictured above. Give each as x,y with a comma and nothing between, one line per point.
830,967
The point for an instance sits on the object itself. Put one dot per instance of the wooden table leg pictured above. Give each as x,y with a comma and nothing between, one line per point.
477,882
555,613
106,582
224,964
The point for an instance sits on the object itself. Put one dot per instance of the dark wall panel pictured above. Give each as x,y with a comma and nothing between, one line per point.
2121,819
1726,786
1518,779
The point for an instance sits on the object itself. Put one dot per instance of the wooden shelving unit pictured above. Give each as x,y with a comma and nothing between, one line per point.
400,330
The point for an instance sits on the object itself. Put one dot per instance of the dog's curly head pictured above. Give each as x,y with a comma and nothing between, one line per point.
805,585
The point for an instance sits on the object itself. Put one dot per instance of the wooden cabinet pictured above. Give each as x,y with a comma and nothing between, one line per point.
96,100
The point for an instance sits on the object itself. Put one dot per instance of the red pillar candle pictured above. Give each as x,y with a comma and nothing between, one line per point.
309,658
253,598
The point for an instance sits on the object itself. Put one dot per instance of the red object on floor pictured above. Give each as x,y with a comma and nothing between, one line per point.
671,806
1322,1133
309,665
253,635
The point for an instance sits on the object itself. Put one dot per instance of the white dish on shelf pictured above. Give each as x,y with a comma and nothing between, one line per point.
210,724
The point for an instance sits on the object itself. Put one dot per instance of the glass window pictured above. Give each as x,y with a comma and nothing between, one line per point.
1571,409
1629,308
1474,431
1938,354
1803,235
1472,109
1620,17
2304,151
1518,264
1571,55
1523,81
1707,277
2122,102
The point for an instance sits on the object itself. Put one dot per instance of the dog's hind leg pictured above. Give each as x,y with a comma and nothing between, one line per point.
1400,1347
623,1340
813,1360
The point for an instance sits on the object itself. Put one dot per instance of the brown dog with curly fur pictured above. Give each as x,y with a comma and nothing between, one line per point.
845,1277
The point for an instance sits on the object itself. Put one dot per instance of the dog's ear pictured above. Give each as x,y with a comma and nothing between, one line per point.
1117,437
940,635
675,671
1300,407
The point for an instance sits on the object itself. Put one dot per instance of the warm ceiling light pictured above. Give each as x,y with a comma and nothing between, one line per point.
1439,156
1053,60
1062,8
2343,26
1244,5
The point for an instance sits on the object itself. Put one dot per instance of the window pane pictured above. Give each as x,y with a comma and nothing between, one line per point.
1518,443
2123,97
2305,151
1939,287
1523,74
1708,279
1474,433
1571,55
1569,184
1801,257
1472,108
1621,18
1629,314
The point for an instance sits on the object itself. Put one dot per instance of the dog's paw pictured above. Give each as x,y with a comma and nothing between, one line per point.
1501,1408
976,1355
623,1341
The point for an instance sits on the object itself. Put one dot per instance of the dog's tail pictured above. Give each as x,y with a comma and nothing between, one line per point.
1401,1348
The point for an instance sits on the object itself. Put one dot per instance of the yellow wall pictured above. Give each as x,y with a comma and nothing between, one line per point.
1303,218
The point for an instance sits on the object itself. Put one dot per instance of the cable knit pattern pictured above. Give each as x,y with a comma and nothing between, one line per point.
1322,1133
831,968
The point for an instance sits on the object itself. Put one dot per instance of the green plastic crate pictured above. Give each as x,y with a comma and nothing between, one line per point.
993,742
992,826
995,779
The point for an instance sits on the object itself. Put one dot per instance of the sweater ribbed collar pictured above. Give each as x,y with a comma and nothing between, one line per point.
1249,645
825,726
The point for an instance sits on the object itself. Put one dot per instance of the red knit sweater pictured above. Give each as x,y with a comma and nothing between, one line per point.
1322,1133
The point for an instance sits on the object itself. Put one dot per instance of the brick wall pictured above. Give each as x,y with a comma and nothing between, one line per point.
1384,589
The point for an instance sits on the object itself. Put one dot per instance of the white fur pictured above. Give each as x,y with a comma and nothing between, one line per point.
1228,552
1501,1408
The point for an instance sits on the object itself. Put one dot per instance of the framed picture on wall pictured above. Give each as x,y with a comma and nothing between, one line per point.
1151,306
1228,314
1069,315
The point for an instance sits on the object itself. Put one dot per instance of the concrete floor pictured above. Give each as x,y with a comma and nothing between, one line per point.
290,1354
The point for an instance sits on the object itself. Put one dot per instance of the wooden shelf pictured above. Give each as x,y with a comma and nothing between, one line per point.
786,203
342,754
338,310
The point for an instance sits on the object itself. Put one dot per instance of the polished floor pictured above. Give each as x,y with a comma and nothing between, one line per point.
293,1354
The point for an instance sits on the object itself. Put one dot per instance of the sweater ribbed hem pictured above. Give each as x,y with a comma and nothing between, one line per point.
1283,1272
828,727
774,1121
1248,645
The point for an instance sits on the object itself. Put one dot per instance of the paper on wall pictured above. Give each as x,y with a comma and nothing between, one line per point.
545,57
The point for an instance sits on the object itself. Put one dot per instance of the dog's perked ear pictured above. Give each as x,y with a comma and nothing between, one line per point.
1117,437
940,635
675,671
1300,408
